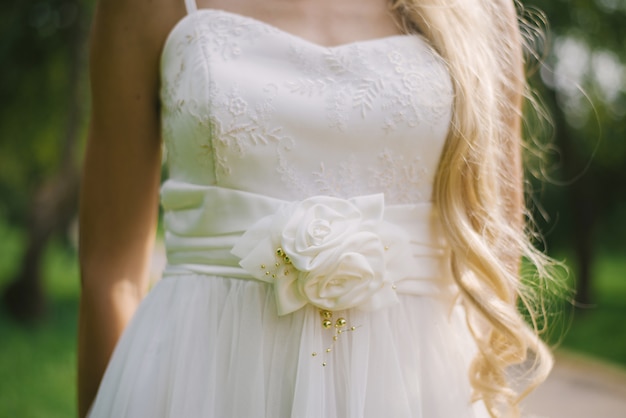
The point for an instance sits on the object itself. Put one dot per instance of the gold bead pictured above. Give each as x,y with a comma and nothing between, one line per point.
352,328
326,314
334,338
328,350
327,324
279,251
277,264
273,276
324,364
287,260
386,248
314,354
263,266
341,322
267,273
286,272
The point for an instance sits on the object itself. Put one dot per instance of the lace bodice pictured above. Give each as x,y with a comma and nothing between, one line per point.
249,107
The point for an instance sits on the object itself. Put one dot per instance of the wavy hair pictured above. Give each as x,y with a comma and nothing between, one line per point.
479,192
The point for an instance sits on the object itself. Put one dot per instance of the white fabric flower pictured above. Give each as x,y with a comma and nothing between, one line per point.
337,253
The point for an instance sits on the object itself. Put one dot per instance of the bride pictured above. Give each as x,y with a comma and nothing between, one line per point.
343,211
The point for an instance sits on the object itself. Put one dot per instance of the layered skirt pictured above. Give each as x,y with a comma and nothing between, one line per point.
354,314
202,346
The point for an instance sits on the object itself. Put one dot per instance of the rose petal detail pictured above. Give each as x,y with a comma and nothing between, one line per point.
337,251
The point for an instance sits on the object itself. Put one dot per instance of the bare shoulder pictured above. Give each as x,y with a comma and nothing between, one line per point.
129,35
148,20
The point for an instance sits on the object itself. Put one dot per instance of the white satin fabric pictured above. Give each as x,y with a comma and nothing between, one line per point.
204,223
262,126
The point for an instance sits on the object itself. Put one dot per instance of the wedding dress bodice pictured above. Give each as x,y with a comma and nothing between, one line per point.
256,119
249,107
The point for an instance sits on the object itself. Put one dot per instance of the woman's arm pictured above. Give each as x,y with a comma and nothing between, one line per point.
119,196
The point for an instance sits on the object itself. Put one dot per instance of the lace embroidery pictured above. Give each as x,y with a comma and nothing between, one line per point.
403,180
245,126
227,33
345,76
355,84
177,106
424,93
171,97
343,181
386,100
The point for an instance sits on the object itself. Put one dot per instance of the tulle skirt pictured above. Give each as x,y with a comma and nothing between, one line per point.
210,347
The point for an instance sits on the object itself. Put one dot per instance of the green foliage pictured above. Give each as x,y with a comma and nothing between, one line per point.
600,329
586,66
547,303
38,363
36,72
581,79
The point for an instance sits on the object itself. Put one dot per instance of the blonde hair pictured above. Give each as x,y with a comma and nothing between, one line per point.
478,192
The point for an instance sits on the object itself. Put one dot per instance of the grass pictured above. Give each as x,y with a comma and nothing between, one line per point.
38,366
600,329
38,363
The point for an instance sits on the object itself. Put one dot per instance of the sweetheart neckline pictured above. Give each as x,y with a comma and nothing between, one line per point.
298,37
291,35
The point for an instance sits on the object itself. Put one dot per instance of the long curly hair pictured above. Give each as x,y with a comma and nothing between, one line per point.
479,192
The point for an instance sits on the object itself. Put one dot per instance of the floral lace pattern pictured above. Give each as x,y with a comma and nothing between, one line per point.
226,34
243,128
401,180
251,107
351,80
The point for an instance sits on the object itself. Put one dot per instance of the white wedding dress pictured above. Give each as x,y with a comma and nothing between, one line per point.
277,142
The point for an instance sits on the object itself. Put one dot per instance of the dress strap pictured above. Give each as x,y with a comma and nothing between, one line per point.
191,6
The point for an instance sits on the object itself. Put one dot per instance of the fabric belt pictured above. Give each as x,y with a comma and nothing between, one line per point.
204,223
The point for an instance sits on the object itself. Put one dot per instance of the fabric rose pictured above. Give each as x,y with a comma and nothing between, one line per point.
325,251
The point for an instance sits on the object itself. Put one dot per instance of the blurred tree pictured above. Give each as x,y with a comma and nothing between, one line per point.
43,79
583,83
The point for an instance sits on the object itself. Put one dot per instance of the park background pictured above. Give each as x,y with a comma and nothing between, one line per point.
577,190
